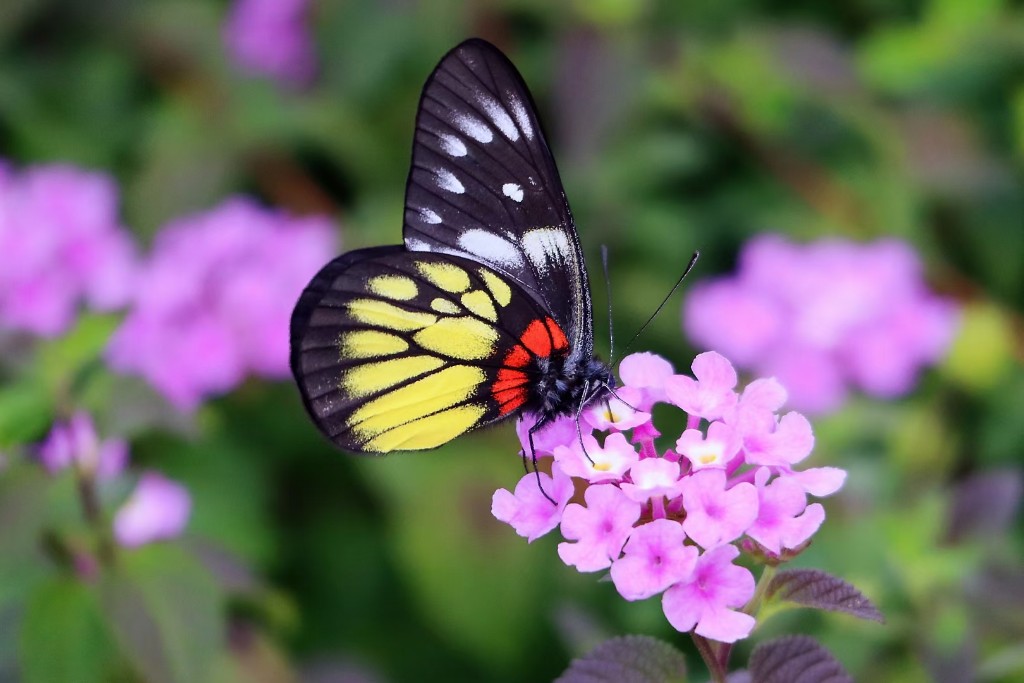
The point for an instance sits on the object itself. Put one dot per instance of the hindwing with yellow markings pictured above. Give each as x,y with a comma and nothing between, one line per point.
484,311
397,350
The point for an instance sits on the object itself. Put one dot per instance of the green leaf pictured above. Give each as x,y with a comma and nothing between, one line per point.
64,637
65,358
25,411
166,611
25,492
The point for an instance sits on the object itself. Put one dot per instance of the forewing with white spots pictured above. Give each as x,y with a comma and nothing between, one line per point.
484,185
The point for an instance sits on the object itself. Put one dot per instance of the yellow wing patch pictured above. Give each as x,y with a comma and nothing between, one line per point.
478,302
498,288
390,316
369,378
370,344
445,306
397,287
463,337
418,413
446,276
428,432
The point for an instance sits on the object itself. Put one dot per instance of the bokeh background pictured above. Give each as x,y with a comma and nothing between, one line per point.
676,126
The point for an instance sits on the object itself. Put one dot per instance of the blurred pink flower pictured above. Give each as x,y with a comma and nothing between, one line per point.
61,244
272,38
157,510
825,316
75,443
214,301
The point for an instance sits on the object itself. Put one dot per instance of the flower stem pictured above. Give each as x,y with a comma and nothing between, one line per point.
93,513
754,605
712,660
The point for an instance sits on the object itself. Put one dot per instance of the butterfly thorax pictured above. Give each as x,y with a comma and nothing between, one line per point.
563,385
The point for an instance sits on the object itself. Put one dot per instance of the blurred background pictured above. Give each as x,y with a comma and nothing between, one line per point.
676,126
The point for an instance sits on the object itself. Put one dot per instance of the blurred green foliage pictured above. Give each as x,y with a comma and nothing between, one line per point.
677,126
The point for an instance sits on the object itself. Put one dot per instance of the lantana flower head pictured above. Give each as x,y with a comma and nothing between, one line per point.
825,317
61,245
157,510
214,301
672,521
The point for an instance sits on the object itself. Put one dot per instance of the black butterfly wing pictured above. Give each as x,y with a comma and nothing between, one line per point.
483,184
399,350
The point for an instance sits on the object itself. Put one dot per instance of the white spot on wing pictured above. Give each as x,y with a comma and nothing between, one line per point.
413,244
513,191
430,216
547,246
494,248
519,111
446,180
500,117
473,127
454,146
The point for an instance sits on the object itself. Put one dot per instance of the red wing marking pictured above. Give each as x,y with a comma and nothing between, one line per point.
511,388
537,338
557,336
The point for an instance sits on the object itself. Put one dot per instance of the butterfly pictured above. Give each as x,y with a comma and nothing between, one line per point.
484,312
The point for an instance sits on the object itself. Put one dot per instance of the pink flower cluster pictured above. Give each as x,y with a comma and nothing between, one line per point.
824,316
669,521
158,508
271,38
61,244
214,299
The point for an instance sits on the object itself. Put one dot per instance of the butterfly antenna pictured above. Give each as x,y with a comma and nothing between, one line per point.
689,267
608,297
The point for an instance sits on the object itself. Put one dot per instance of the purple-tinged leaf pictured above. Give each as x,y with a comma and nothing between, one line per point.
995,596
952,662
166,612
795,659
815,588
985,504
628,659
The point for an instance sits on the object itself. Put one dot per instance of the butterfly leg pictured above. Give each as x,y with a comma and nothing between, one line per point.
537,426
579,412
632,407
